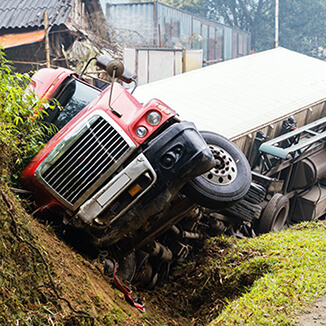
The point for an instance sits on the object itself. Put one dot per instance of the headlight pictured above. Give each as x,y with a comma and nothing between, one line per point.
153,118
141,131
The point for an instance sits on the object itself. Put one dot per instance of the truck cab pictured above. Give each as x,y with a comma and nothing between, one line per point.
116,168
100,163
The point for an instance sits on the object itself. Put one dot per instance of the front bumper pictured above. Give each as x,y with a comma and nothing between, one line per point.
175,156
125,181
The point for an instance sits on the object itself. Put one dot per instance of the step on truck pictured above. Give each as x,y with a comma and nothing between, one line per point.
272,106
124,174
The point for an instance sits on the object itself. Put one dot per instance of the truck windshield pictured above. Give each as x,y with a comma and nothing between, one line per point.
73,97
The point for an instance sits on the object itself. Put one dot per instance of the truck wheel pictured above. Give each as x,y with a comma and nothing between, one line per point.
256,193
244,211
127,267
275,214
226,183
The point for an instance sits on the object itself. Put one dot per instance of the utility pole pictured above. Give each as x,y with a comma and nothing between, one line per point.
276,24
47,46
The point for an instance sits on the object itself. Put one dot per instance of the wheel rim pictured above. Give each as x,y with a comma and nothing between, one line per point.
225,170
279,220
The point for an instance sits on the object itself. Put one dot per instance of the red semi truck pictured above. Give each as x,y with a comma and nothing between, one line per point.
121,172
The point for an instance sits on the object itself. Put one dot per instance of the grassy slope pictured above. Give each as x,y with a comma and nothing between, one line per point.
260,281
292,265
267,280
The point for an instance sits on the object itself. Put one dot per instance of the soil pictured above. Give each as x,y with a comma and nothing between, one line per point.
193,295
178,301
172,303
85,283
315,315
82,283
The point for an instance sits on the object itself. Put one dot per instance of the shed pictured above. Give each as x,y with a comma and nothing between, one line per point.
22,30
236,98
154,24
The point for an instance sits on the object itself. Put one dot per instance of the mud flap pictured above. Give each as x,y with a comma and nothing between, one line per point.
136,302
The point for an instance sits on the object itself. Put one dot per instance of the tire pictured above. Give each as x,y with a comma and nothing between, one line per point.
275,214
127,267
243,211
225,184
256,194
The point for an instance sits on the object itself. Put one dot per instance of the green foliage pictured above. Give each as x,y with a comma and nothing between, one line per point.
302,26
297,29
292,269
21,133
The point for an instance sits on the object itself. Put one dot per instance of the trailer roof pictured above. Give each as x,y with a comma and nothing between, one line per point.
239,96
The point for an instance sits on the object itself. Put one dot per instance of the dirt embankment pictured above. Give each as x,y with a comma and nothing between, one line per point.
45,281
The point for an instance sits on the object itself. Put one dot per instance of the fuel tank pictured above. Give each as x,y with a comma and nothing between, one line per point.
310,170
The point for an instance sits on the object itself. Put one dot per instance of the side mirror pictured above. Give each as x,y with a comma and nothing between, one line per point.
115,68
110,65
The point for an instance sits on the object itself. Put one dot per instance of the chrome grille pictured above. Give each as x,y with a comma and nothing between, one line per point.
91,155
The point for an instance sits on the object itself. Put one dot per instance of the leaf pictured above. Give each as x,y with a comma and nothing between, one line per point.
21,132
18,120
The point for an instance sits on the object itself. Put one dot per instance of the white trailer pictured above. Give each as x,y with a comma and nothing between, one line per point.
271,105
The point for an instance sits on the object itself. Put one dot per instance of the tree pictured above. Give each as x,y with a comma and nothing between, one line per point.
303,27
249,15
302,24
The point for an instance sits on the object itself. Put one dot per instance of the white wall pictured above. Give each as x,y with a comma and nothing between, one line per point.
155,64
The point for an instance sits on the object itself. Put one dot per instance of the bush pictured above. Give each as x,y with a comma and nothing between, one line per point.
21,133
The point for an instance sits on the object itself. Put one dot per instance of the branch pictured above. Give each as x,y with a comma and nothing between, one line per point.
245,11
234,12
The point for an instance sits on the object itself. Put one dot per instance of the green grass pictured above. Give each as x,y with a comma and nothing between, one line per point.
292,264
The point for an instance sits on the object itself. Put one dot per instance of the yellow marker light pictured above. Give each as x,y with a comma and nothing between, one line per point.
164,109
134,190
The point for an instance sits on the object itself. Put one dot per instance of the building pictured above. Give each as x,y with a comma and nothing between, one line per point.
154,24
22,29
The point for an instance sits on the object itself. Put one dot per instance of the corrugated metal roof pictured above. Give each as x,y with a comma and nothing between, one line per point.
128,18
29,13
241,95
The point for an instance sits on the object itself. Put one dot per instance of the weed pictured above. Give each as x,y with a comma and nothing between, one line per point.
98,300
116,316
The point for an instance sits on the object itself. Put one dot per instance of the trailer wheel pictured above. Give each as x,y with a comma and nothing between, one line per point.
275,214
226,183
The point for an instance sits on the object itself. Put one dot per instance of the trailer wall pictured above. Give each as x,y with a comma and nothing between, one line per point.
239,97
